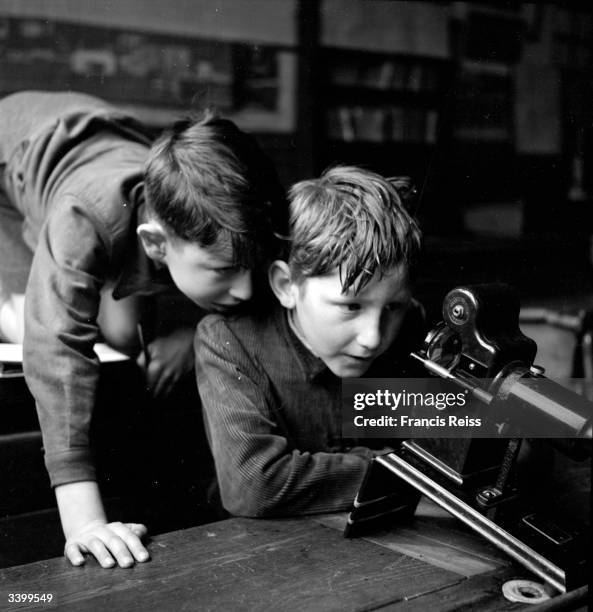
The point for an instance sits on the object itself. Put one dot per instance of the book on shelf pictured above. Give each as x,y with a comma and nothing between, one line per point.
347,123
400,76
386,75
415,77
432,119
397,124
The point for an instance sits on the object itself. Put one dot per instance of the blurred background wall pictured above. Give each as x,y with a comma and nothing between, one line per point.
487,105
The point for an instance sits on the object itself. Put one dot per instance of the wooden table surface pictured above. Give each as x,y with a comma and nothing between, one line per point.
302,564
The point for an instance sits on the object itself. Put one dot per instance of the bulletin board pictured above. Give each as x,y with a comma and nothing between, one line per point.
159,76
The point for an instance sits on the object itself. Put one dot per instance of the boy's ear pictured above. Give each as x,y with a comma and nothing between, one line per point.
154,239
281,283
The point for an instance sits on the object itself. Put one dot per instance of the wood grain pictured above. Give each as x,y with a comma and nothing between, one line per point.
436,537
239,564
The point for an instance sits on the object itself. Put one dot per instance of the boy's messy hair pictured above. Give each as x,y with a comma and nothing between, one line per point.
354,220
209,182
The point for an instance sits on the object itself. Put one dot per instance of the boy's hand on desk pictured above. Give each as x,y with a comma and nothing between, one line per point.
170,357
87,531
110,543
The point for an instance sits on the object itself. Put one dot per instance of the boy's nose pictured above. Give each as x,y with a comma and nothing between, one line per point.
241,287
369,335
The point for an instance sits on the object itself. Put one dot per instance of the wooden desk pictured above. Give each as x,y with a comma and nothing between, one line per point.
294,564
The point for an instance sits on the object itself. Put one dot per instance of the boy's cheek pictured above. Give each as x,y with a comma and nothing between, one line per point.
393,332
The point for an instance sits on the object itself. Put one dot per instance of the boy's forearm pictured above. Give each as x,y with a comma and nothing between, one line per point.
79,504
292,484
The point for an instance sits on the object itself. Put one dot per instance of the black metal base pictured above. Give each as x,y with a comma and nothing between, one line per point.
391,491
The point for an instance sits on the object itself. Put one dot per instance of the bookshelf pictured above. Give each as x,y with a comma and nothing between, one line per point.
486,43
373,97
378,105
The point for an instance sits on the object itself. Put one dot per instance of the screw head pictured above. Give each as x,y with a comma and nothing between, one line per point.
458,312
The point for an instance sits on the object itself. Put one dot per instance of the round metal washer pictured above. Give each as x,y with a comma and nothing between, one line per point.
525,591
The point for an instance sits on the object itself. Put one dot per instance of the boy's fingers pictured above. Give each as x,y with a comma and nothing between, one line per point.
100,552
112,544
132,542
118,548
164,385
162,382
157,387
137,528
154,373
73,554
169,390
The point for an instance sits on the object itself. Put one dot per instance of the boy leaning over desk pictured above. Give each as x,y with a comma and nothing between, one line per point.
94,219
270,381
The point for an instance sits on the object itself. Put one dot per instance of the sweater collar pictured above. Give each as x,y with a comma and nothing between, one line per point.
311,365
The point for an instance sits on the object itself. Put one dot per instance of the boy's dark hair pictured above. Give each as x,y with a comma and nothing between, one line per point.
351,219
209,182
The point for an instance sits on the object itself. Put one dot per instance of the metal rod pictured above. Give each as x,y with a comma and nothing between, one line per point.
435,368
516,549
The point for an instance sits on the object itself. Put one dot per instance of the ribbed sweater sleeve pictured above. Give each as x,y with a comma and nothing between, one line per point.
259,471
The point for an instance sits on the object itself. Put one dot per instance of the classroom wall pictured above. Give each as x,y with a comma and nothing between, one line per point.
399,27
222,23
417,28
262,21
379,25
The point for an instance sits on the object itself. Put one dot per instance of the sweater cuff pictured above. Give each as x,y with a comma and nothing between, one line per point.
73,465
362,451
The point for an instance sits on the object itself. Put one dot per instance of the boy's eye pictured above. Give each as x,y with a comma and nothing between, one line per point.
350,307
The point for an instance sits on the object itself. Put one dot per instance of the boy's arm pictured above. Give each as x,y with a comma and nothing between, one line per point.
259,473
169,358
61,369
